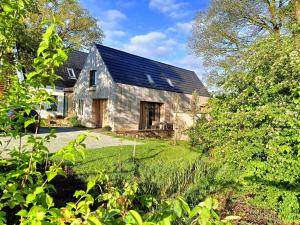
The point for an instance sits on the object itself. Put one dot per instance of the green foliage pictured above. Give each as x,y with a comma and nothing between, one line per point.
253,136
223,31
159,167
26,192
75,121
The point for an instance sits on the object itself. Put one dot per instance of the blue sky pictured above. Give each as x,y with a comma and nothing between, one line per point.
156,29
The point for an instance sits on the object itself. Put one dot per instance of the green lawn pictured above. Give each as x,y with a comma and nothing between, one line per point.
159,167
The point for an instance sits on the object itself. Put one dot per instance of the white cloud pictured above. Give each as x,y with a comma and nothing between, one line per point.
152,45
110,21
114,34
113,15
180,28
172,8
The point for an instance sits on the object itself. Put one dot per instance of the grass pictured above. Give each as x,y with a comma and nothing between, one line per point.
159,167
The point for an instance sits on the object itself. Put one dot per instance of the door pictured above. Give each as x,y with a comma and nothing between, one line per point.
150,115
99,112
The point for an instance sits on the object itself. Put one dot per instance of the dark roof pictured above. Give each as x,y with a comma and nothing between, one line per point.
131,69
76,61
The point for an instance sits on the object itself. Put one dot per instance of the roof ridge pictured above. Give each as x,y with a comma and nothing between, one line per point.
146,58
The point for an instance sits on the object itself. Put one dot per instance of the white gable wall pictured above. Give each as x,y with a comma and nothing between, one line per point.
104,89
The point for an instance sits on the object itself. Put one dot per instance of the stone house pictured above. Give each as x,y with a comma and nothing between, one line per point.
129,92
63,106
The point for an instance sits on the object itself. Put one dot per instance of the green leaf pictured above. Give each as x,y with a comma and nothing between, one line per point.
50,175
204,216
49,201
136,216
166,221
91,184
69,156
22,212
38,190
177,208
30,198
93,220
28,122
184,205
7,8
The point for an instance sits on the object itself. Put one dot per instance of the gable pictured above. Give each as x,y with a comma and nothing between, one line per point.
134,70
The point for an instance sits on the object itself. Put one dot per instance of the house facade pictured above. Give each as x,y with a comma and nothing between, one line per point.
63,104
129,92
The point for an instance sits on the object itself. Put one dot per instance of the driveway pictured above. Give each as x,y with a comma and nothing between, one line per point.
65,135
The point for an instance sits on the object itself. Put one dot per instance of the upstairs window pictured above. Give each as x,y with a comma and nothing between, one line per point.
92,78
151,81
71,74
170,82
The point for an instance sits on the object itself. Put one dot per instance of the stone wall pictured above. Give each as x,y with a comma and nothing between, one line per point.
104,89
128,99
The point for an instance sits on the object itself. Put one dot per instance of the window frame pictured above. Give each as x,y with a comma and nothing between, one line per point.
170,82
71,73
92,73
150,79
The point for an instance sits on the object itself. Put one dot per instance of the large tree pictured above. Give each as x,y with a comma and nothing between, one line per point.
78,28
228,27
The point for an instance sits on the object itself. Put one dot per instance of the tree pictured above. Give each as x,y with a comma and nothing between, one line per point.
78,28
228,27
254,134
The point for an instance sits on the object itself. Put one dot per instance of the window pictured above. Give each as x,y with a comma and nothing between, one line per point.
170,82
151,81
52,105
71,73
92,78
80,106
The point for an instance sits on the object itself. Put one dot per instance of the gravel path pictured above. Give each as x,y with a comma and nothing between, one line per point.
65,135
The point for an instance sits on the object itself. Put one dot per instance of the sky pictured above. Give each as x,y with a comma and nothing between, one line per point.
156,29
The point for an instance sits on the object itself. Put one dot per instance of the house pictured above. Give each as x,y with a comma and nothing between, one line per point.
129,92
62,106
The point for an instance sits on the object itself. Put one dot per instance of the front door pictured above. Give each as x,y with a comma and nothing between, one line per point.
149,115
99,112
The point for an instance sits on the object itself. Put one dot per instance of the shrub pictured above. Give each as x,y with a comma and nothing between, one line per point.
106,128
253,138
75,121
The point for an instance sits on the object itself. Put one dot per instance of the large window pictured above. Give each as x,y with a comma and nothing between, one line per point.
92,78
150,115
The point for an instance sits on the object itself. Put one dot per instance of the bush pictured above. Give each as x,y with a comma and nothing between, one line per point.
106,128
75,121
253,138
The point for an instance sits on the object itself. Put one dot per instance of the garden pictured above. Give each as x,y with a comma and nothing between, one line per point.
240,166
